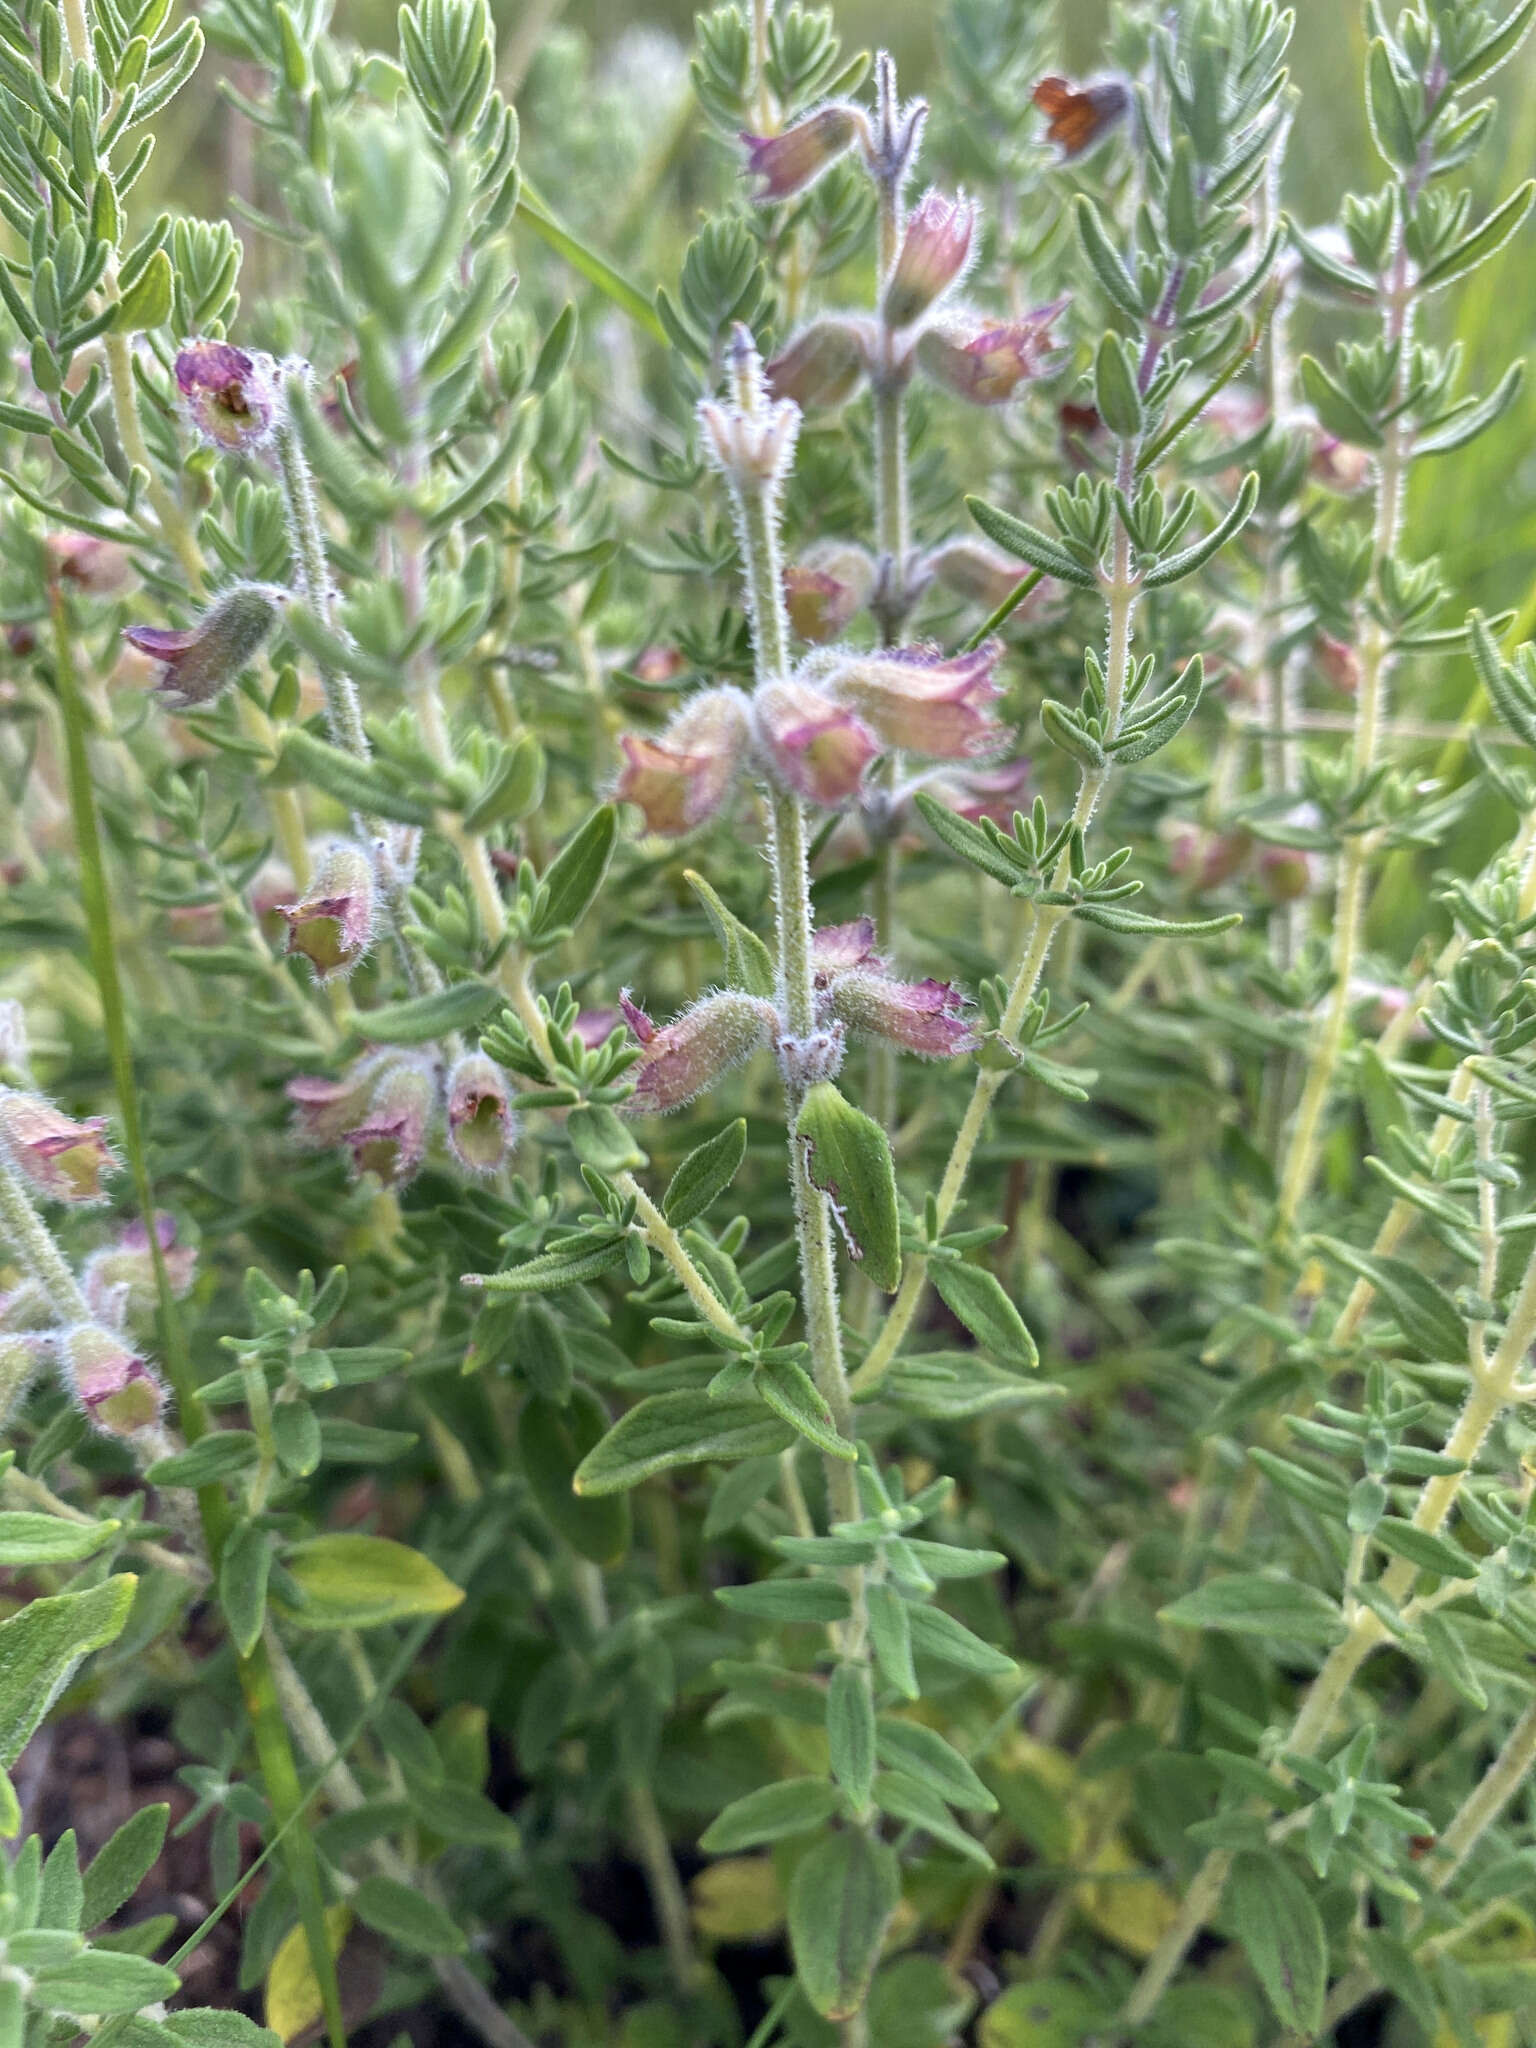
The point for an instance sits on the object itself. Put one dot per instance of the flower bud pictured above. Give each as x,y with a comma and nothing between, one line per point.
683,1058
935,251
839,948
1338,663
822,593
325,1109
814,746
1078,117
118,1391
983,574
54,1154
1285,873
230,397
482,1128
917,699
789,162
977,793
331,924
119,1280
987,367
681,779
90,563
391,1140
20,1356
199,661
824,364
919,1016
1338,465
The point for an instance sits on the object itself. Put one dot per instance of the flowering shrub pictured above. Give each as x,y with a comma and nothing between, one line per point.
642,1513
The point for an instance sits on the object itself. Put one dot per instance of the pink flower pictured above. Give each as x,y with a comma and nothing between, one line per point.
923,701
229,396
839,948
54,1154
199,661
794,159
824,364
324,1108
922,1017
118,1391
1337,662
681,779
986,367
814,746
481,1125
119,1280
331,924
934,253
977,793
596,1027
96,566
822,593
391,1140
683,1058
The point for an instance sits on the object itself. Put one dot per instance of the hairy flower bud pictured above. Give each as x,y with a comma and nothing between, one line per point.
682,779
1078,117
331,924
918,699
680,1060
986,367
983,574
1285,873
1337,663
822,593
324,1109
391,1140
839,948
922,1017
118,1391
21,1354
789,162
119,1280
482,1127
230,397
54,1154
824,364
200,661
935,251
813,745
98,567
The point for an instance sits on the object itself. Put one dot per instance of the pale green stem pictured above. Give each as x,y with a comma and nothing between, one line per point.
343,709
34,1243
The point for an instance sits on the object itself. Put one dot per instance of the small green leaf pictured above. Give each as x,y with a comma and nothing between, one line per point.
40,1647
1044,2012
938,1635
890,1636
208,2026
27,1539
219,1455
552,1441
122,1863
665,1430
365,1581
420,1019
848,1157
405,1917
706,1173
1115,392
147,301
1483,242
794,1807
808,1600
1254,1604
851,1732
1423,1312
243,1571
99,1982
840,1902
1429,1552
1030,545
1273,1915
977,1298
748,962
923,1753
576,873
792,1394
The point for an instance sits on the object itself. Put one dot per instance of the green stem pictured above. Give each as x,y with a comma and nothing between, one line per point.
343,709
34,1242
273,1751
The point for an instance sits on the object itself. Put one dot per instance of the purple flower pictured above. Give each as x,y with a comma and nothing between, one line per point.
839,948
934,253
681,1059
482,1127
199,661
119,1279
391,1139
55,1155
920,700
789,162
331,924
814,746
922,1017
230,397
682,778
986,366
117,1389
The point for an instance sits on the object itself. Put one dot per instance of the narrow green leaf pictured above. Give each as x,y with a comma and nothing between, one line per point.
1254,1604
666,1430
404,1916
40,1647
851,1732
365,1581
771,1814
121,1864
552,1440
27,1539
420,1019
840,1902
1273,1915
706,1173
792,1394
1030,545
978,1299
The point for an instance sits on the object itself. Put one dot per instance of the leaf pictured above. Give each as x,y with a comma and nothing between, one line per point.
810,1600
890,1635
938,1635
40,1647
1105,258
907,1799
575,874
306,758
707,1172
292,2001
1173,568
851,1732
209,2026
748,962
1335,408
147,301
795,1806
27,1539
419,1019
121,1864
1272,1914
1254,1604
967,840
218,1455
840,1902
404,1916
552,1441
792,1394
551,1271
918,2003
1030,545
1515,703
1431,1553
1422,1311
977,1298
365,1581
1046,2012
737,1899
848,1157
1483,242
922,1753
97,1981
682,1428
1456,429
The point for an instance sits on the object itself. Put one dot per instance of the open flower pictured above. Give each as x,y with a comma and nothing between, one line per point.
814,745
822,593
789,162
925,702
199,661
229,396
331,924
482,1127
682,778
680,1060
839,948
986,366
56,1155
98,567
325,1108
391,1139
116,1388
935,251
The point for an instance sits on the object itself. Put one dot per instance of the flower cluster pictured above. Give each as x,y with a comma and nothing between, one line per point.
383,1112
